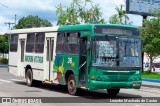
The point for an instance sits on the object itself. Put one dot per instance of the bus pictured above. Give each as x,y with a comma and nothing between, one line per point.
88,56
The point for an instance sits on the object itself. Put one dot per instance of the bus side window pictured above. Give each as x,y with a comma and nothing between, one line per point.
73,44
39,44
30,42
60,43
14,43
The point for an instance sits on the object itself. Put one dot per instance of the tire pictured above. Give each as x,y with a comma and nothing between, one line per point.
113,92
71,85
29,78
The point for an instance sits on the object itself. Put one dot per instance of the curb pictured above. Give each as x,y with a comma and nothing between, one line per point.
3,65
151,80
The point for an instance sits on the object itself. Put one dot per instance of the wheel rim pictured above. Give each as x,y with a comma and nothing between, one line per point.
71,85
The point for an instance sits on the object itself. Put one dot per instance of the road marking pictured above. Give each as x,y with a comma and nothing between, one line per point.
17,80
1,80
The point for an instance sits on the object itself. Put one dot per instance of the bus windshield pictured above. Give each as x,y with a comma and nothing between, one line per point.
113,51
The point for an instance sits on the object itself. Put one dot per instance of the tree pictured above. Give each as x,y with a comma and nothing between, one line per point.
32,21
114,19
151,36
120,17
4,45
77,13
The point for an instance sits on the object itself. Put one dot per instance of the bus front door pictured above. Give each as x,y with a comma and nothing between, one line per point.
83,62
49,58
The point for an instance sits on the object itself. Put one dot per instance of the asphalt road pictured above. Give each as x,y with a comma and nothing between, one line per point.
12,86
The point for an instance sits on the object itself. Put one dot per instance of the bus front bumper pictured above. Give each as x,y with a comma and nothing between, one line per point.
93,85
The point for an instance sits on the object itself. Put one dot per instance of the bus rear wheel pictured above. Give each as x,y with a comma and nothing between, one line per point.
113,92
71,85
29,77
30,81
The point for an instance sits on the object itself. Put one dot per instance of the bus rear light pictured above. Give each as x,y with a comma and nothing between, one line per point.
92,78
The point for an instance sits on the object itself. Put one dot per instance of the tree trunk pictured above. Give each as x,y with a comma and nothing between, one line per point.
120,19
150,57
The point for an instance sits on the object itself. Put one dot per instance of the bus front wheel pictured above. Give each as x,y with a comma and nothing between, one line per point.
71,85
113,92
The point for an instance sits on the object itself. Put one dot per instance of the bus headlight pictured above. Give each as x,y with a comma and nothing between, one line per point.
135,78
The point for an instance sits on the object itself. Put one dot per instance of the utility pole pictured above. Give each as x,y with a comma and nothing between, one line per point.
15,19
144,17
9,24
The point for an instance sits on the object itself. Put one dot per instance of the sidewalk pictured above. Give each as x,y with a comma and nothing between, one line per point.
151,83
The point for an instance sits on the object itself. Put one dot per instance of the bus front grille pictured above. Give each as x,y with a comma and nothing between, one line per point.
118,78
119,73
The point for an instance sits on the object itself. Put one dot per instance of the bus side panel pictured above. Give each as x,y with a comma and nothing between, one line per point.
62,64
13,62
13,70
38,74
35,60
72,63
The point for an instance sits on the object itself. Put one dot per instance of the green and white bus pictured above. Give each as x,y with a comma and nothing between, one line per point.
91,56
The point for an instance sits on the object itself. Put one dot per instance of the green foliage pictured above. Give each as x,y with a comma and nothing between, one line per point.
3,61
77,13
114,19
151,75
150,33
4,45
32,21
120,17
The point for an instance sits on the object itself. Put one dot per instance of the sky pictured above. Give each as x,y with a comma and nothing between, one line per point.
46,9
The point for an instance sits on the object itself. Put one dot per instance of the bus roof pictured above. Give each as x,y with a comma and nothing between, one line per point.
33,30
63,28
88,26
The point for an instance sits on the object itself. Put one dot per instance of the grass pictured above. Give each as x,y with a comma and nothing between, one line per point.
151,75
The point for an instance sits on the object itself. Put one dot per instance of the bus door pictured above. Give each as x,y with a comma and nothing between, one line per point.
21,63
49,57
83,61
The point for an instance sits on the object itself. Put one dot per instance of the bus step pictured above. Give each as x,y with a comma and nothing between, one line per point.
84,88
48,82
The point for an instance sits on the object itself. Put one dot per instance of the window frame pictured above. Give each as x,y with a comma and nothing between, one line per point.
60,43
73,43
65,43
30,43
36,43
15,41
